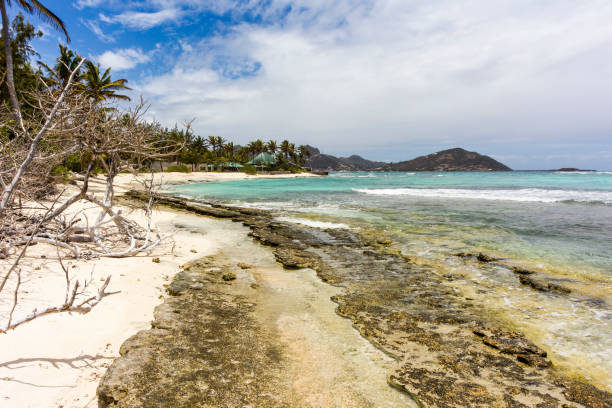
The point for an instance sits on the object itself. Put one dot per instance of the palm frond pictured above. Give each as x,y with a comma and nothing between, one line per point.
36,7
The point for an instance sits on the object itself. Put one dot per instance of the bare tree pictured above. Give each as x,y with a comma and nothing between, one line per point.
109,141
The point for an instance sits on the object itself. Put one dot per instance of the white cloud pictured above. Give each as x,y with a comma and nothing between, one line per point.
95,28
143,20
81,4
123,59
352,76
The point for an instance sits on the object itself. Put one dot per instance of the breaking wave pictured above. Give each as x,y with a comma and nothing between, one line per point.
523,194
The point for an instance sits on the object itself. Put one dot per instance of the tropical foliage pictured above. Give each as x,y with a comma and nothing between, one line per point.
217,153
97,84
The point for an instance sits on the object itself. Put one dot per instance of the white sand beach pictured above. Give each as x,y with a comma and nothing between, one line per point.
57,360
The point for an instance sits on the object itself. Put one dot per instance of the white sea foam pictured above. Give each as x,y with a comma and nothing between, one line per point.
523,194
312,223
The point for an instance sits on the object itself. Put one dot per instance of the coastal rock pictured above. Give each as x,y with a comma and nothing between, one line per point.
448,352
513,343
522,271
542,284
480,257
204,350
295,258
243,265
484,258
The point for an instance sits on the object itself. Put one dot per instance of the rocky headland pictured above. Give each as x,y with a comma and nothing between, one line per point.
204,349
456,159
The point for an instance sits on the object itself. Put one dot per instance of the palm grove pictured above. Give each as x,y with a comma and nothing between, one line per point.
216,152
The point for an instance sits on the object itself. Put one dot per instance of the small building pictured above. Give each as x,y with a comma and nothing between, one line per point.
231,165
263,159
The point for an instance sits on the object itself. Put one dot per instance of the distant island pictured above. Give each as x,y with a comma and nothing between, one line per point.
571,169
456,159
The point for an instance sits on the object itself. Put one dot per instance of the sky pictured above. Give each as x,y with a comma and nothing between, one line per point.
526,82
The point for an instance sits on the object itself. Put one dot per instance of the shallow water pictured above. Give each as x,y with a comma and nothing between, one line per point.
559,224
327,362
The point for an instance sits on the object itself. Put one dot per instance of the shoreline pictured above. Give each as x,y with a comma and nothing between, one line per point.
57,360
295,248
127,181
444,347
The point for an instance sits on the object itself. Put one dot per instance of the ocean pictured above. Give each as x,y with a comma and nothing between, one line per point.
557,224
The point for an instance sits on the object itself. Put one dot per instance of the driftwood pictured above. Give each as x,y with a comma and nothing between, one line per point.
108,140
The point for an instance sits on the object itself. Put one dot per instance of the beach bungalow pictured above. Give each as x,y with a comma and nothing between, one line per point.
263,159
231,166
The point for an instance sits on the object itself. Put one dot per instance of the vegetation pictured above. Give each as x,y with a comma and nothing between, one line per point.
62,122
181,168
55,120
217,153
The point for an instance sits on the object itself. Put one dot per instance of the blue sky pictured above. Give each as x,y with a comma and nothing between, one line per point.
529,83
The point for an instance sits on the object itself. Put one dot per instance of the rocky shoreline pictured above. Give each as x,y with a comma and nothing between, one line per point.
448,352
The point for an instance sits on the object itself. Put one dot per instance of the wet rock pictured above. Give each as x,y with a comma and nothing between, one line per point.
230,276
295,258
242,265
559,288
204,350
509,342
485,258
542,284
522,271
374,254
481,257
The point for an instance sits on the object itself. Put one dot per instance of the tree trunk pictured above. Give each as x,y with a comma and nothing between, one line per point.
10,80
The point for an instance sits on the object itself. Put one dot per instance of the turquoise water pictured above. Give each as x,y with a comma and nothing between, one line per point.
558,224
562,219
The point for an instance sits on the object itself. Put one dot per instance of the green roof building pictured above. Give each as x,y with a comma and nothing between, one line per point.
232,164
263,159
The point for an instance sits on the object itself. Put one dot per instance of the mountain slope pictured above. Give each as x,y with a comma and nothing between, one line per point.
456,159
447,160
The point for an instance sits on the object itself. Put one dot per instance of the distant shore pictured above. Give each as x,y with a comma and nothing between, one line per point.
127,181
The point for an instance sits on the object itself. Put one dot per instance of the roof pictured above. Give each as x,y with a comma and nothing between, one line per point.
264,158
231,164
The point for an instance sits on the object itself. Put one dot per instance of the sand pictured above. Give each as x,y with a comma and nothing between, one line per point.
128,181
57,360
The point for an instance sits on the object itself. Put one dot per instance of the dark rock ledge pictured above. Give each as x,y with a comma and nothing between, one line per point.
449,354
204,349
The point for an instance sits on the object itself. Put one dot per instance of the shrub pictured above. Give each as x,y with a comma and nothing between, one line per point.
73,162
179,169
60,173
248,169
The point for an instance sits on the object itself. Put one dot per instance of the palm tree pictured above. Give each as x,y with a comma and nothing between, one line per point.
303,153
101,87
220,143
212,142
67,62
259,146
285,147
216,143
272,147
32,7
292,153
229,150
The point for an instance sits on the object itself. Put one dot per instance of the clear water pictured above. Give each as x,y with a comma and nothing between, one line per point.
559,224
